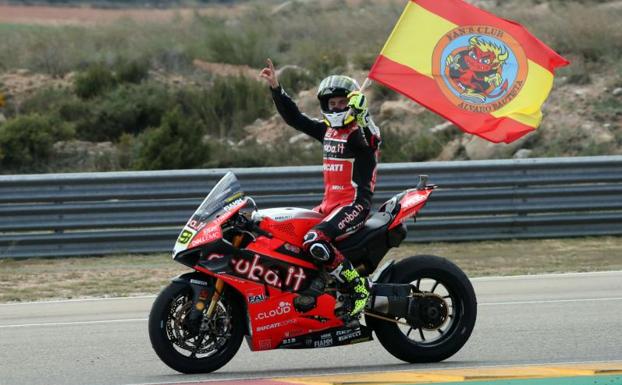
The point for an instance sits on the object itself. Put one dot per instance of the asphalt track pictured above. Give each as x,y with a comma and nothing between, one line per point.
525,320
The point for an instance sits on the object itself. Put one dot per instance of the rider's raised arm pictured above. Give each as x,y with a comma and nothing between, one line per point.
291,114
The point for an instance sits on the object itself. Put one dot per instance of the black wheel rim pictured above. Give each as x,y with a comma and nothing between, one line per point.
214,334
446,325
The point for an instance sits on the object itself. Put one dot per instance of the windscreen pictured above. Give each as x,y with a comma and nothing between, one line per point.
227,190
226,193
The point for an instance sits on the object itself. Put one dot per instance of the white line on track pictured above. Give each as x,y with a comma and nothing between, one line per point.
548,301
490,278
74,323
78,300
144,319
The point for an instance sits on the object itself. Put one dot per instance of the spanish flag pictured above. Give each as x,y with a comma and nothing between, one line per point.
487,75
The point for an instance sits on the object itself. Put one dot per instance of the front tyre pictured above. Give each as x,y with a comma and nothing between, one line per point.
447,315
188,351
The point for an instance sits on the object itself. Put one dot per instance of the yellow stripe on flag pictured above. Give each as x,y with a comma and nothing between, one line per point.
525,107
414,37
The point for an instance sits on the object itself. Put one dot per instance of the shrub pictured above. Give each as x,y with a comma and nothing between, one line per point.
580,29
252,154
94,81
132,71
228,105
244,43
296,79
421,147
127,109
46,100
176,144
324,63
26,141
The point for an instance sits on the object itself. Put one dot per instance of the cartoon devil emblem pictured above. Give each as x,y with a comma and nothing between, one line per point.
476,70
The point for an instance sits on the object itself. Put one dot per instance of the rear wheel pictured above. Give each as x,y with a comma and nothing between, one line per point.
182,347
446,317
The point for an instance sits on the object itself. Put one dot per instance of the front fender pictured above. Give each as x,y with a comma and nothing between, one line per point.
199,281
195,279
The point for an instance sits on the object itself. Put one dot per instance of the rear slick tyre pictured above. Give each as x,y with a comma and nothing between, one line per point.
183,352
424,345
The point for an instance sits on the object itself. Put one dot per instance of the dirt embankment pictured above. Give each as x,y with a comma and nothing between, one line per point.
47,15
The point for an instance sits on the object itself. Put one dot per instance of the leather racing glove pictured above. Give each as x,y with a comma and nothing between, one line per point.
358,104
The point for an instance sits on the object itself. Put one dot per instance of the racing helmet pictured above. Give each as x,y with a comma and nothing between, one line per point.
333,86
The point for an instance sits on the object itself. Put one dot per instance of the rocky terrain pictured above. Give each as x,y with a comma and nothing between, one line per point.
583,115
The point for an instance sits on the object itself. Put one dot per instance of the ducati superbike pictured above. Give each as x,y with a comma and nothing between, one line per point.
249,268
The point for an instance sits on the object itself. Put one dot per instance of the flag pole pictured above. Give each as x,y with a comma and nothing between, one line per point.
366,84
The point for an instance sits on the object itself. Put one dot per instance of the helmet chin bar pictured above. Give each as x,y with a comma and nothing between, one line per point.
336,119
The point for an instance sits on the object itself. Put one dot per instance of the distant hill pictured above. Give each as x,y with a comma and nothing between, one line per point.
123,3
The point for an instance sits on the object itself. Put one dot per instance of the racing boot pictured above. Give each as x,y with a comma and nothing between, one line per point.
358,289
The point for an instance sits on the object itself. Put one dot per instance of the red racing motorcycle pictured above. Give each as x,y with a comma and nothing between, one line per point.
249,268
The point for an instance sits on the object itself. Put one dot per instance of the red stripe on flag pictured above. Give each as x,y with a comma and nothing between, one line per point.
426,92
460,13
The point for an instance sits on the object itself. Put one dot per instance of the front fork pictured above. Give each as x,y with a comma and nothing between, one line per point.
220,284
201,295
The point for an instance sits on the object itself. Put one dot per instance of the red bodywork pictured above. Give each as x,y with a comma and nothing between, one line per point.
269,297
410,204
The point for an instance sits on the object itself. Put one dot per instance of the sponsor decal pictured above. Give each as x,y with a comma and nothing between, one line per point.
349,336
197,282
323,343
282,217
256,298
337,187
275,325
283,308
265,344
338,148
215,257
207,235
412,201
337,167
256,271
351,216
233,204
196,225
343,332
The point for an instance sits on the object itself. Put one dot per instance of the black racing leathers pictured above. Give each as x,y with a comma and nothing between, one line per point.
349,160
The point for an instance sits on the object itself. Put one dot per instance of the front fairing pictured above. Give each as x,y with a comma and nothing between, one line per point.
206,221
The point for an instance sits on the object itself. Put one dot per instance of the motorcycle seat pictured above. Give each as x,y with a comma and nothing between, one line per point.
375,223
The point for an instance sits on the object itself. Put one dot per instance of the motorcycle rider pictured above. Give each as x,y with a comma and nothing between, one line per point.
350,140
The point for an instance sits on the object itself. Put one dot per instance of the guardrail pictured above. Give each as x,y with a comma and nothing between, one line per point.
142,212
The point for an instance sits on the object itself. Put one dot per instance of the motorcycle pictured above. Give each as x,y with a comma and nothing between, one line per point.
249,268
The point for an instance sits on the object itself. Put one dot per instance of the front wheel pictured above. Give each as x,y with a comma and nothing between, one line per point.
185,349
448,311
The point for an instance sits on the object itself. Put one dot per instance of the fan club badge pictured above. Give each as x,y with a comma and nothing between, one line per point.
479,68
